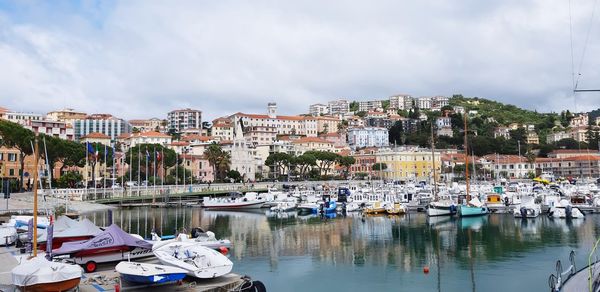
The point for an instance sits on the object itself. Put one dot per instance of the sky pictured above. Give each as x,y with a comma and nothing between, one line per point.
142,59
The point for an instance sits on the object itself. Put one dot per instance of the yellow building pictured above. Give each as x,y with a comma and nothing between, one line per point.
409,164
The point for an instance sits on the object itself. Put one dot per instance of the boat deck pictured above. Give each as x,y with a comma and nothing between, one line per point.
580,281
106,278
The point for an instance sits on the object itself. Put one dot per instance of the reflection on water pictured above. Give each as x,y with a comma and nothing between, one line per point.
290,251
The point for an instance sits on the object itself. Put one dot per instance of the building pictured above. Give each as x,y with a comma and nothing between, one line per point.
597,121
60,130
242,155
153,124
101,123
438,102
509,166
570,166
556,136
96,138
21,118
325,125
444,126
565,153
179,120
339,107
579,134
370,105
67,115
318,109
424,102
580,120
532,138
283,125
133,139
312,144
401,102
406,164
459,110
199,166
222,129
368,137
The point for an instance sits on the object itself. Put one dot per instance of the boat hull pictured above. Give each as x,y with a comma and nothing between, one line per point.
52,287
434,210
154,279
470,211
233,206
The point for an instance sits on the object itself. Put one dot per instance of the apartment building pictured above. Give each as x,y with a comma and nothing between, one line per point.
368,137
182,119
101,123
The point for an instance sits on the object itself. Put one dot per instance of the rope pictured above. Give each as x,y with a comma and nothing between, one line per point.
587,37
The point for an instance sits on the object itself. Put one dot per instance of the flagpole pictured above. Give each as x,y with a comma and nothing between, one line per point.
154,176
94,170
86,166
147,169
104,175
162,167
139,177
184,171
176,170
130,166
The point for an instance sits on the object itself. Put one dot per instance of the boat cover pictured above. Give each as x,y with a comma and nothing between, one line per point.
67,227
475,202
113,236
38,270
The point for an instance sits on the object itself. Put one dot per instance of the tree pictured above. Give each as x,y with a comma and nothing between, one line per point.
15,136
149,154
69,179
304,163
570,143
178,173
346,162
354,106
218,159
379,166
277,162
361,114
234,175
325,160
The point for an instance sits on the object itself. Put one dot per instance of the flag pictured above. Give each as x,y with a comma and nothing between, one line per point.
147,154
158,156
90,148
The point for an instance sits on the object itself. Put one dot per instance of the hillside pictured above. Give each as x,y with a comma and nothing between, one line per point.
504,113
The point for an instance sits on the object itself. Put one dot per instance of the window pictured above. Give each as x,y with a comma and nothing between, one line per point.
12,157
11,172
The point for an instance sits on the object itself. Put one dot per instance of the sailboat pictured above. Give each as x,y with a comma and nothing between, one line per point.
473,206
438,207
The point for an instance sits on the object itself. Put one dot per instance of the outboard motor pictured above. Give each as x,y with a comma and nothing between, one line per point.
452,209
569,211
506,202
196,232
523,211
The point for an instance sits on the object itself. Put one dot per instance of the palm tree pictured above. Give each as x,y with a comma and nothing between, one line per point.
218,159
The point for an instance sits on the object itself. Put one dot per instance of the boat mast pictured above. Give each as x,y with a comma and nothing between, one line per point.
35,195
466,159
435,193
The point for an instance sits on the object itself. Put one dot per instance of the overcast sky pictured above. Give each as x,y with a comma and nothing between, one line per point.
141,59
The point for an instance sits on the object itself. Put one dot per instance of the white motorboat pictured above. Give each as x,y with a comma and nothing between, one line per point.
197,260
284,207
565,210
206,239
527,209
39,274
145,273
441,208
308,208
250,201
8,235
353,207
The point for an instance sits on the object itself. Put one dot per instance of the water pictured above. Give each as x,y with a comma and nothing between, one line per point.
296,253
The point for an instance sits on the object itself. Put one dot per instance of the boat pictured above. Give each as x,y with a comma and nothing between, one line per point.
284,207
441,208
395,209
8,235
233,202
197,260
329,207
206,239
66,230
144,273
112,244
572,280
308,208
376,208
564,210
353,207
39,274
527,210
22,222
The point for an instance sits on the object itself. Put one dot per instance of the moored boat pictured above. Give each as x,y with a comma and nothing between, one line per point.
145,273
39,274
564,210
375,208
395,209
441,208
8,235
197,260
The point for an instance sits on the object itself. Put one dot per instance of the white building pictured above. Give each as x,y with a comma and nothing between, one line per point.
444,126
133,139
339,107
318,109
423,102
368,137
60,130
153,124
179,120
101,123
401,102
556,136
22,118
581,120
438,102
242,156
369,105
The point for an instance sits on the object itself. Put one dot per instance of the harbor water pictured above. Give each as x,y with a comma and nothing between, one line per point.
289,252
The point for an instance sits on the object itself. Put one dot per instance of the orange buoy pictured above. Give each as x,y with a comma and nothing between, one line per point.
223,250
426,269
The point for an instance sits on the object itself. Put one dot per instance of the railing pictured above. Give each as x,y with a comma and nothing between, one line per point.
92,194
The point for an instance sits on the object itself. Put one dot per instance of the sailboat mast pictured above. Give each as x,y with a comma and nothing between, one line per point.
35,195
435,193
466,159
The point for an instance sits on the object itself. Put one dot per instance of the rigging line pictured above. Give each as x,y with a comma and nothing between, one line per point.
571,38
585,43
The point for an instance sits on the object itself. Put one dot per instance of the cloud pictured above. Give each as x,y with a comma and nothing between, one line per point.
140,59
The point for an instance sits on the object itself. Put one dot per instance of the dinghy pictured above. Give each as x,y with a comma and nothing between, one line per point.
39,274
207,239
197,260
67,230
144,273
8,235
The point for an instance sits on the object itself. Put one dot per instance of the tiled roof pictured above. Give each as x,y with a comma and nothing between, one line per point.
95,135
311,140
